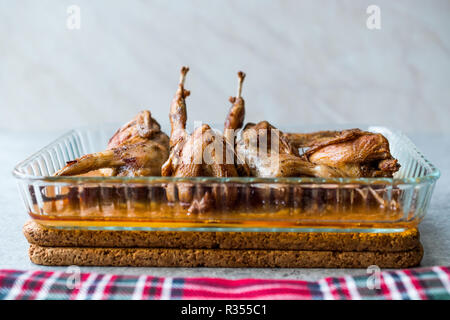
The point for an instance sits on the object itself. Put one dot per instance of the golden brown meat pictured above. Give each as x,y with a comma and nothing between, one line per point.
203,153
304,140
268,153
139,148
357,153
264,151
142,128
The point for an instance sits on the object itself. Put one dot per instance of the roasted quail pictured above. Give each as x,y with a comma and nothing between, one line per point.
139,148
203,153
264,151
347,153
269,154
355,152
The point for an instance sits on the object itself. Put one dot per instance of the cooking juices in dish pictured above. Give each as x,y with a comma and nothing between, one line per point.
258,205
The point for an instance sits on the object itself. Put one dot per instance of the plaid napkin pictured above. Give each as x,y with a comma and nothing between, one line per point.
425,283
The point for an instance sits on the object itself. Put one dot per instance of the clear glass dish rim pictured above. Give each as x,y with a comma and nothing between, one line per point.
429,178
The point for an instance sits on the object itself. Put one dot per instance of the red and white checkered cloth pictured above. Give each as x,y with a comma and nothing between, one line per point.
425,283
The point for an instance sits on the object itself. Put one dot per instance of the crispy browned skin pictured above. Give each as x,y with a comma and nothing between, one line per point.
140,129
303,140
187,156
283,162
357,153
139,148
185,159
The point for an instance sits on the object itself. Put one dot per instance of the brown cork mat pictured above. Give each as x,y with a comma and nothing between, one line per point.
159,257
318,241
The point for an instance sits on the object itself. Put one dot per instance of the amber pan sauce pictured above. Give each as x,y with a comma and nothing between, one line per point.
259,206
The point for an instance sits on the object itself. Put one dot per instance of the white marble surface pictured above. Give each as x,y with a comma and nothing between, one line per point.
307,61
435,229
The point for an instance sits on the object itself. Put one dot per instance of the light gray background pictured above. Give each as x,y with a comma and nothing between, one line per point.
311,62
308,62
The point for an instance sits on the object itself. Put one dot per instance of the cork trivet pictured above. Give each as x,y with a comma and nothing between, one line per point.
385,242
157,257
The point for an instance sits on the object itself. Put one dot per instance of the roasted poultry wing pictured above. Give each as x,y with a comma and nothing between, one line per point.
203,153
139,148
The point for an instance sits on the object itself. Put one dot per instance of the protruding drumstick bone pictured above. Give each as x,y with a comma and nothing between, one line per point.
234,122
241,77
236,115
178,115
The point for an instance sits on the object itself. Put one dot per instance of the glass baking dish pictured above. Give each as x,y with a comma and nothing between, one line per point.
261,204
